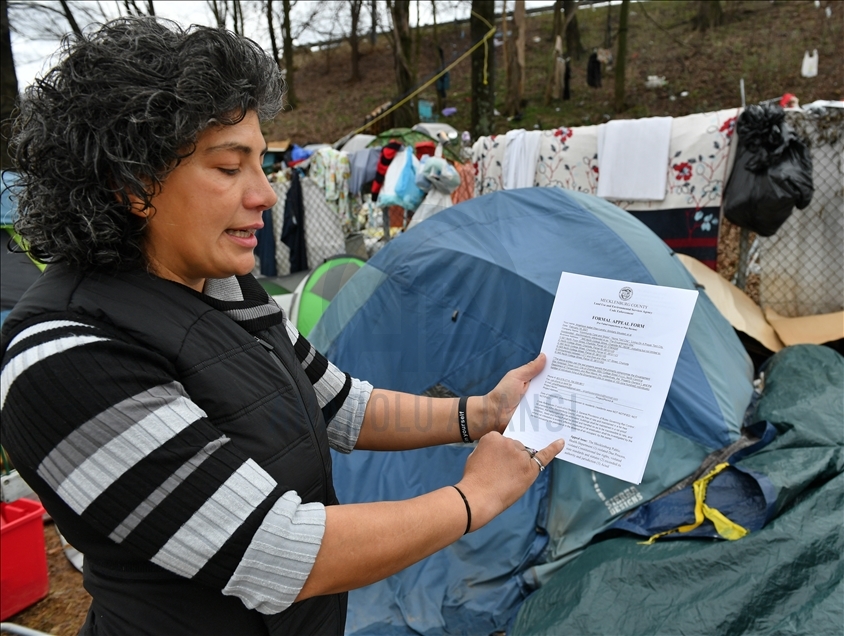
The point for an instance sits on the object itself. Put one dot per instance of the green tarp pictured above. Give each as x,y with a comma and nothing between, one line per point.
787,578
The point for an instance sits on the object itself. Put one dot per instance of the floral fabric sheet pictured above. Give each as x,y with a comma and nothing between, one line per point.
700,158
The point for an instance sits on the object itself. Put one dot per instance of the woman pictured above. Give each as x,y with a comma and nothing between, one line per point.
183,442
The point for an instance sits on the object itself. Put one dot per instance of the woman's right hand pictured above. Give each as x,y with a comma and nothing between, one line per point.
498,472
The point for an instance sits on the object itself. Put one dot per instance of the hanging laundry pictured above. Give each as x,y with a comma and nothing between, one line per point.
293,229
265,250
363,165
330,170
593,71
520,156
810,64
388,153
466,189
628,171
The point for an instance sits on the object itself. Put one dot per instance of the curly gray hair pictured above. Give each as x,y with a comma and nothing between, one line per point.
118,113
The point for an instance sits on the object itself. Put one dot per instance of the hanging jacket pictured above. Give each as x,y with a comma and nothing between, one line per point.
593,71
293,228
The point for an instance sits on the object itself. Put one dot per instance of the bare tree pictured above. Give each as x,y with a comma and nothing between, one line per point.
483,69
70,19
220,11
373,15
271,29
514,56
355,7
621,56
287,41
405,116
132,8
51,21
8,85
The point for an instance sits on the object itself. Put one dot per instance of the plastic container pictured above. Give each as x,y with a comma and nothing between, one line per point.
23,556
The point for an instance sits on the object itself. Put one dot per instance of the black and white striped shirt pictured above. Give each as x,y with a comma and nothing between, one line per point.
109,429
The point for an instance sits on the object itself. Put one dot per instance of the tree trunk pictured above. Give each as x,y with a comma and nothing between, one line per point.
8,87
417,41
440,54
219,9
373,12
558,20
237,16
288,54
271,29
150,8
406,115
70,19
558,30
621,56
574,48
514,59
355,7
483,69
709,14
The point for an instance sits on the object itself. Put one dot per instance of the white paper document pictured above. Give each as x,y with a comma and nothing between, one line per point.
611,349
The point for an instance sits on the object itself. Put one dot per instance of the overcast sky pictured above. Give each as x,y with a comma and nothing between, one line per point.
32,58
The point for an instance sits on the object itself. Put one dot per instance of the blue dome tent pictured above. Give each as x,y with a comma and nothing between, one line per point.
456,302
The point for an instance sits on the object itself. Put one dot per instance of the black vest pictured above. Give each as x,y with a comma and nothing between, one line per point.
252,388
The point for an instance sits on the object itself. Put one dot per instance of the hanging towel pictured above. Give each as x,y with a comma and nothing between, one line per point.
633,159
520,155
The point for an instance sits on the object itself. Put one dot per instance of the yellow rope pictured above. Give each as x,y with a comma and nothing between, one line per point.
483,41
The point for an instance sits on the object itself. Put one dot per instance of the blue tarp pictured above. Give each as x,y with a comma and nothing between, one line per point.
459,300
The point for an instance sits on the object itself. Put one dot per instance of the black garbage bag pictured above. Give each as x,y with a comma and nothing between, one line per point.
772,173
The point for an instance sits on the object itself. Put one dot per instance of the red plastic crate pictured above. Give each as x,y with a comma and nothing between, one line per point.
23,556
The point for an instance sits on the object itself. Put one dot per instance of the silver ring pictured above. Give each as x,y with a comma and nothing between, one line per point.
538,463
530,451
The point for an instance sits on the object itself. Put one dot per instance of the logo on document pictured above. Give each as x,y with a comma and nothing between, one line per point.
625,293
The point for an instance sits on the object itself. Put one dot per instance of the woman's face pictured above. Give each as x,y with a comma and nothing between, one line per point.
203,221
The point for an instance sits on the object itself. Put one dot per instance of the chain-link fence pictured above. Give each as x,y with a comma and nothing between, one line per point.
801,268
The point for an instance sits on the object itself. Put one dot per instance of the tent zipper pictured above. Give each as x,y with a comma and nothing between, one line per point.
271,350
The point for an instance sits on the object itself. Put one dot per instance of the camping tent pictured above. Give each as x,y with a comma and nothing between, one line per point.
315,291
786,578
456,302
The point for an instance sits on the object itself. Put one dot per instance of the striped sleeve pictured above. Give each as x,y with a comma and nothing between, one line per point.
138,462
343,399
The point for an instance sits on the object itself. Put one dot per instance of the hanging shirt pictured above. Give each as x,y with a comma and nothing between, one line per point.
330,170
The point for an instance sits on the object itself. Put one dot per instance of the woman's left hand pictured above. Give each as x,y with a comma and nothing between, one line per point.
492,412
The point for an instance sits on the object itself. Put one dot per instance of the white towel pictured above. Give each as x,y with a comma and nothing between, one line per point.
521,151
633,159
